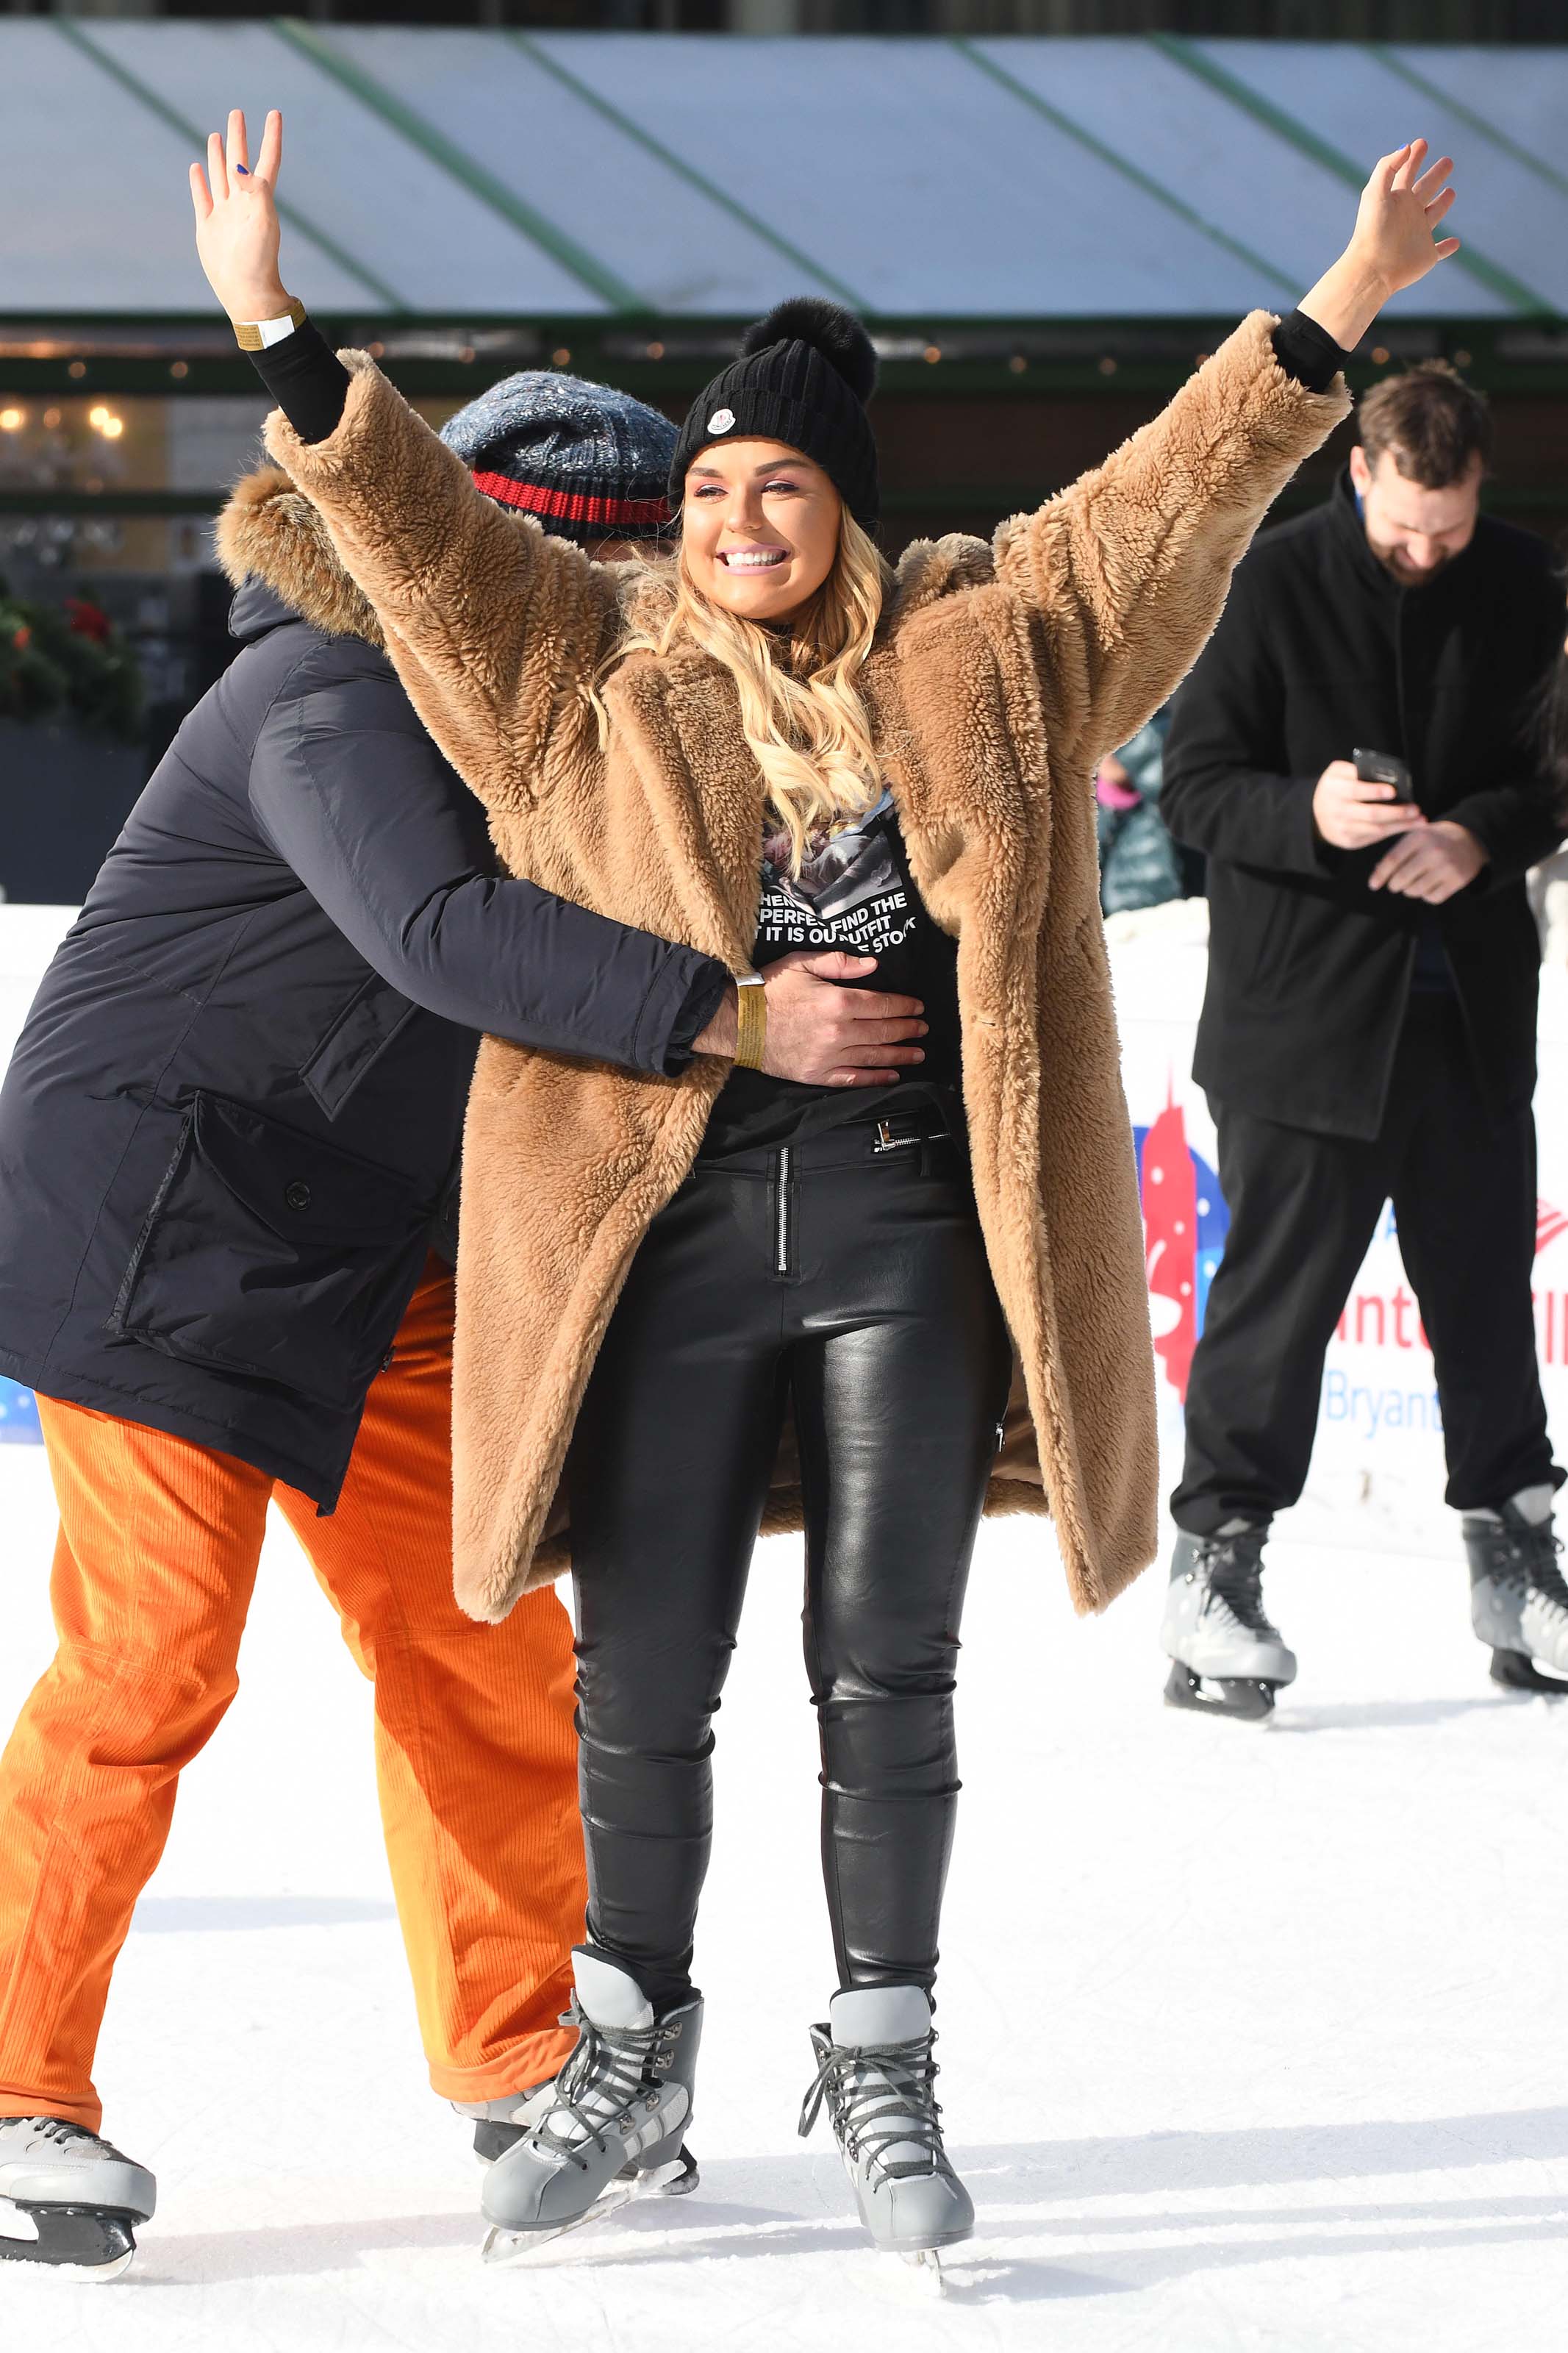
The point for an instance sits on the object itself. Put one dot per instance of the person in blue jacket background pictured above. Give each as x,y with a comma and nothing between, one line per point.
1140,865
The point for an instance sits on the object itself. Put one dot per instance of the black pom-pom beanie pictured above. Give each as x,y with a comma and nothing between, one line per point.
805,374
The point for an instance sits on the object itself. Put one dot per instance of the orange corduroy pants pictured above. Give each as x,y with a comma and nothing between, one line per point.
476,1757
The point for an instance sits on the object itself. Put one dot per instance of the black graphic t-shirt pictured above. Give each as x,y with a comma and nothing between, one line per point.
853,893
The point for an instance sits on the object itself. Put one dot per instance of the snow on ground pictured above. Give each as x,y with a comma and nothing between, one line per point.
1251,2040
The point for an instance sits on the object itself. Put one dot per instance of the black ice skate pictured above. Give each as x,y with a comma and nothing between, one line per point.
1519,1602
68,2199
876,2072
1229,1660
615,2122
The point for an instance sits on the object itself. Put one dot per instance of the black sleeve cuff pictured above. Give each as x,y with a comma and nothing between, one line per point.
308,381
1306,352
703,999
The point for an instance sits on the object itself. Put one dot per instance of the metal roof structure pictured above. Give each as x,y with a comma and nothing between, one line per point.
429,172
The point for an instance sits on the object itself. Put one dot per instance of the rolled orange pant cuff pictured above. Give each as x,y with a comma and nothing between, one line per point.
532,2061
88,2113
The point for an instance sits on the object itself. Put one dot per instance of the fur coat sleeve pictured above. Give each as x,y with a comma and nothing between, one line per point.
495,629
1127,570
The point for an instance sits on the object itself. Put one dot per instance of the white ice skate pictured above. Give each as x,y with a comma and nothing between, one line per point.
1229,1660
1519,1602
68,2199
876,2072
614,2125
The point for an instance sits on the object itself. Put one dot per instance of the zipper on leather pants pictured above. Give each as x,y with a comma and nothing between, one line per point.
784,1186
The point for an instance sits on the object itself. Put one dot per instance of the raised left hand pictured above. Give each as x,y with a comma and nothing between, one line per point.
1430,863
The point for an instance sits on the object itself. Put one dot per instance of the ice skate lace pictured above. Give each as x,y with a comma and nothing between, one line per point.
1529,1566
61,2129
1233,1572
879,2094
606,2072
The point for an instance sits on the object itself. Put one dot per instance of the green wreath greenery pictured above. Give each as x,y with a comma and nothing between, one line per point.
68,661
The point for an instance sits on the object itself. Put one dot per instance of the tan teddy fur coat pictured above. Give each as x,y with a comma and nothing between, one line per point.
1000,674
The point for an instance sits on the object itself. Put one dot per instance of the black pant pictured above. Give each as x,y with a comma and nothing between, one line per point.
1303,1210
854,1282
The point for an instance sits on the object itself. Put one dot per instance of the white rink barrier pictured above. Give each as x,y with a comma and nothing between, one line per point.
1377,1472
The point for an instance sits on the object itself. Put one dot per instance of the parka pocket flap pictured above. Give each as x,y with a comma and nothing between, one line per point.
268,1253
305,1190
355,1043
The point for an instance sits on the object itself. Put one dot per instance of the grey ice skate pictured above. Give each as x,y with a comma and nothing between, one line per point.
501,2122
1519,1602
616,2118
876,2072
68,2199
1229,1660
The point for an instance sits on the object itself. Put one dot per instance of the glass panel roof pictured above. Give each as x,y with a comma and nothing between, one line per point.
443,172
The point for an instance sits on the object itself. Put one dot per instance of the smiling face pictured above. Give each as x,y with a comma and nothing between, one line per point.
1411,529
759,528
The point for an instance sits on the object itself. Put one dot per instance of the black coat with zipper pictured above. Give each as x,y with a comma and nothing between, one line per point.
229,1131
1319,651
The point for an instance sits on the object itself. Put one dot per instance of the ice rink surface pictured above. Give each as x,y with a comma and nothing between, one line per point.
1251,2040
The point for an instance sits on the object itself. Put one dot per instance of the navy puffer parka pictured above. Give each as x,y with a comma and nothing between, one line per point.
229,1131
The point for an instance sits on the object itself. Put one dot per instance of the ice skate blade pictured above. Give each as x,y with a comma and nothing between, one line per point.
1238,1699
678,2178
501,2246
87,2244
921,2267
1516,1671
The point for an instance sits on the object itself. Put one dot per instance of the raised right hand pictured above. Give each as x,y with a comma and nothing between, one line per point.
1353,815
236,221
825,1035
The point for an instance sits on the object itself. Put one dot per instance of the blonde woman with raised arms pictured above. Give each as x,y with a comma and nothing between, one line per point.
694,1308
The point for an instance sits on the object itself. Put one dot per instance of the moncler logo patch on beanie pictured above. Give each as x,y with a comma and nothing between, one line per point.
805,374
586,461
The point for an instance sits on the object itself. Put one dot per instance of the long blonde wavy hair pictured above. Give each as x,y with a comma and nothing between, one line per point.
801,710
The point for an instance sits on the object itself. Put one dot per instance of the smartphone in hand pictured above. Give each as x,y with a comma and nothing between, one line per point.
1383,768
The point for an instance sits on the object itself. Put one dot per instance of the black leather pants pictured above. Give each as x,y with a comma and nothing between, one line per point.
852,1279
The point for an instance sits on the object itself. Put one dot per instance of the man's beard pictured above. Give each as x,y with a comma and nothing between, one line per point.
1410,575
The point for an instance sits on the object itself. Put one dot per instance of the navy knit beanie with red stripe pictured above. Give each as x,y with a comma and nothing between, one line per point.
586,461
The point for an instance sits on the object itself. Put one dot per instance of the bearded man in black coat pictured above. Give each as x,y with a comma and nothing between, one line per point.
1368,1032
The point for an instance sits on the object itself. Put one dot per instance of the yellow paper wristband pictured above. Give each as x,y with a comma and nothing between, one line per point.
751,1022
247,333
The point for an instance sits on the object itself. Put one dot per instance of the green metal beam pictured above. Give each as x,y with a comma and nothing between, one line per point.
1129,171
1204,67
69,30
631,128
127,505
931,498
373,95
1387,56
59,354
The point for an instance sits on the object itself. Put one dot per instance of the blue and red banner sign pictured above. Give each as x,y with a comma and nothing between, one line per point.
19,1416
